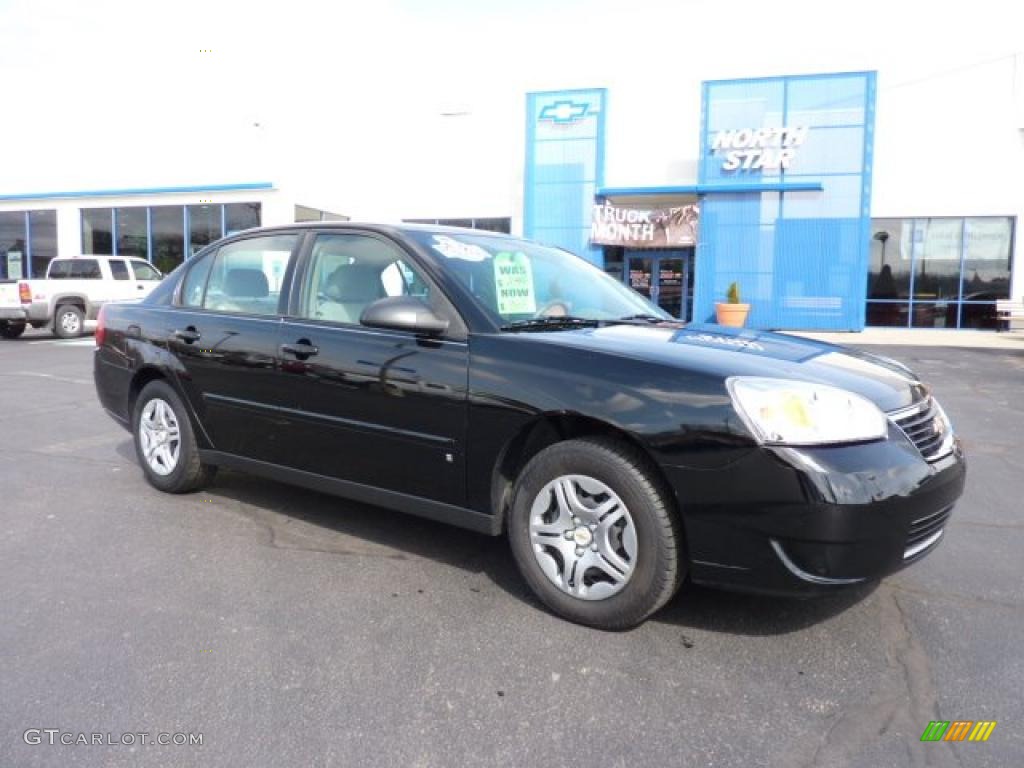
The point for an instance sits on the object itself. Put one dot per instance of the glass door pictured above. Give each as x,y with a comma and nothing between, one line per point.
665,277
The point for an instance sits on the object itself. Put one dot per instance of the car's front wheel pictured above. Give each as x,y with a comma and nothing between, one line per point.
164,441
594,533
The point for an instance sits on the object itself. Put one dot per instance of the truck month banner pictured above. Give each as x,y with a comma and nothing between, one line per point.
643,228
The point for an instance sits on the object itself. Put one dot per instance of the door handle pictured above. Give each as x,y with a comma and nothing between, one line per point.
141,287
302,349
188,335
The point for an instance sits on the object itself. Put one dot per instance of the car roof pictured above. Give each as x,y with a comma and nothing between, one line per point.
389,227
104,256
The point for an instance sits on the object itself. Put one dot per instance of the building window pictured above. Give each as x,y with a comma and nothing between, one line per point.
498,224
98,231
239,216
132,232
204,226
939,272
13,248
158,233
167,235
42,231
28,240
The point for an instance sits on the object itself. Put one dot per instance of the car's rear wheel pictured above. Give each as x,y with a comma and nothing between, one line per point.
594,533
10,330
69,321
164,441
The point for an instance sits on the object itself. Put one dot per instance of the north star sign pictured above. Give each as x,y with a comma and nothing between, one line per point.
757,149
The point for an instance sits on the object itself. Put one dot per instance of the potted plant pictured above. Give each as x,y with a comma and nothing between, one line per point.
732,311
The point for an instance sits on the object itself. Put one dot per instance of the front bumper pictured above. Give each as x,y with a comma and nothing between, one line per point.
803,521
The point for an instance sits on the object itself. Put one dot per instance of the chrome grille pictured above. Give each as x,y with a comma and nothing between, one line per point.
926,426
925,532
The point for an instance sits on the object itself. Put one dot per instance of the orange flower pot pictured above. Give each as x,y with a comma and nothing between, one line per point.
732,315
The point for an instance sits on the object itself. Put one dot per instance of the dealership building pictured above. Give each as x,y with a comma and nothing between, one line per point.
832,202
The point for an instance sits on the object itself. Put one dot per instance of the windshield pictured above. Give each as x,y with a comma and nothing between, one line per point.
519,281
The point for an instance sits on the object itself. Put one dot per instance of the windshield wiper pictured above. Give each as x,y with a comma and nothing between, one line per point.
648,318
545,323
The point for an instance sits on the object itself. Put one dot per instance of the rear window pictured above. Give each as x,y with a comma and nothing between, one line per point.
85,269
119,270
59,270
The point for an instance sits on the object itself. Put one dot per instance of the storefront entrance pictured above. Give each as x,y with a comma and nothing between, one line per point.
663,276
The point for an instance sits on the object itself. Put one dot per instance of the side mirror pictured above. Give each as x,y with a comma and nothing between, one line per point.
403,313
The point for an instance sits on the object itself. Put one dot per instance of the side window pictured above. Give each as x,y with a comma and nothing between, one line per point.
246,275
86,269
59,270
145,271
119,269
348,272
195,282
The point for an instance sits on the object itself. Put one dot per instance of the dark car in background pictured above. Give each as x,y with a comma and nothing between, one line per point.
511,388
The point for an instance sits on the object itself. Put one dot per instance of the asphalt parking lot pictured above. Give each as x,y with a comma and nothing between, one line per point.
290,628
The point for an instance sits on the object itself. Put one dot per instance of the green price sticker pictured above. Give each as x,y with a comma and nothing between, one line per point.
513,279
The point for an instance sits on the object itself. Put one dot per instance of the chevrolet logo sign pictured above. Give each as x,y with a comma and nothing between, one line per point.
564,112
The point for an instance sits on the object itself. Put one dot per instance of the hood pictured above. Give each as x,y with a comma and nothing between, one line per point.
719,351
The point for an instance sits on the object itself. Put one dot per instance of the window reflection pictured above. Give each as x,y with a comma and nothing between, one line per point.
203,226
889,265
168,235
955,268
13,253
43,231
97,231
131,232
239,216
987,259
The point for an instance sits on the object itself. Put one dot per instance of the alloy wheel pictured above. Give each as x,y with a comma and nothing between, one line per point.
159,436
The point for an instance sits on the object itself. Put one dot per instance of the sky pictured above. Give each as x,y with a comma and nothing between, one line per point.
376,104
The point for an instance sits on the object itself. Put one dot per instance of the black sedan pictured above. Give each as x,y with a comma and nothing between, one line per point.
503,386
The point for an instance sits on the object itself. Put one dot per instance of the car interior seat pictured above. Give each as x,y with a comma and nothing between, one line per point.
246,290
349,289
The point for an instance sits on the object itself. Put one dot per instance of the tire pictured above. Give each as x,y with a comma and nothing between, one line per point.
178,468
68,321
11,330
625,577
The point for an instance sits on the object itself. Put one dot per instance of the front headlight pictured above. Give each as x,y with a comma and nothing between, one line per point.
786,412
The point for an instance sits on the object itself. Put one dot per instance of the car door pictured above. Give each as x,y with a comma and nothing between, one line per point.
122,281
376,407
224,332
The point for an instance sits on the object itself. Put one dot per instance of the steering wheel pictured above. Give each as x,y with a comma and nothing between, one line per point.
555,308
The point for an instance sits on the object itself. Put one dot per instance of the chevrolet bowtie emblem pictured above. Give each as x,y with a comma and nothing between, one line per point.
564,112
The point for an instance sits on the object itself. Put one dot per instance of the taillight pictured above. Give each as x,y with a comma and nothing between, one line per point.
25,293
101,326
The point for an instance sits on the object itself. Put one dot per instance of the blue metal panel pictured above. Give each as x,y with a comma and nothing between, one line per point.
710,189
564,167
800,256
139,191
